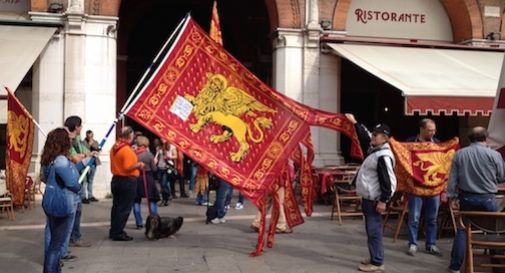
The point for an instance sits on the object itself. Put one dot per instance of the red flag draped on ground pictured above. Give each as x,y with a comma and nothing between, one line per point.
422,168
212,108
20,132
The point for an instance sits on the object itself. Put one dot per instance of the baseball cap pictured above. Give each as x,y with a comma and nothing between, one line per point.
382,128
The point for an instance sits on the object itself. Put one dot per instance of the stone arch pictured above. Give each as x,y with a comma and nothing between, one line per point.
284,13
464,15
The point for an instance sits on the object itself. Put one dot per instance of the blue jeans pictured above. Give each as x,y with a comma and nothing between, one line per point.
229,197
165,186
222,192
90,176
138,214
473,202
192,178
431,205
58,233
373,225
202,198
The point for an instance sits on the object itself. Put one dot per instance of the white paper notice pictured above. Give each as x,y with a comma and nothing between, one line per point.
181,108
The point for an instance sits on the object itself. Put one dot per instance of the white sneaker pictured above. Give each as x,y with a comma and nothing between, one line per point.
221,220
227,207
239,205
215,221
412,250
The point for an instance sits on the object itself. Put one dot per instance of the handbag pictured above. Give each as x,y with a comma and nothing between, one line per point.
213,183
171,169
55,202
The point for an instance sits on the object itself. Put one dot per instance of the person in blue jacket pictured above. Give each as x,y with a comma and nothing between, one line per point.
55,155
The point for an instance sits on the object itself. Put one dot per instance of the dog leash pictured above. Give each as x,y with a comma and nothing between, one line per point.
145,191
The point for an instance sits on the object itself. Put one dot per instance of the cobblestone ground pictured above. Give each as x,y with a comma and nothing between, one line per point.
319,245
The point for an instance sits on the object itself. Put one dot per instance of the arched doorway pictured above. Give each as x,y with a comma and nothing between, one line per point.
144,26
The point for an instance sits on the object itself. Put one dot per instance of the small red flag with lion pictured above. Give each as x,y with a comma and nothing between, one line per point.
20,132
423,168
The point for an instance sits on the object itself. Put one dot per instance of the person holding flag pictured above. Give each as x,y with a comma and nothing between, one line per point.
376,183
427,130
125,169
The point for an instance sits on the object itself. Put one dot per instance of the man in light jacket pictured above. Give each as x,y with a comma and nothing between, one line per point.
376,183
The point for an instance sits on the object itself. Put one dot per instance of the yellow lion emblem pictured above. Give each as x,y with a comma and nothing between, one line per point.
440,164
18,127
224,105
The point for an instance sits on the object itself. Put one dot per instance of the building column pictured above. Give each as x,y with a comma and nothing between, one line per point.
288,63
330,99
100,91
75,80
47,86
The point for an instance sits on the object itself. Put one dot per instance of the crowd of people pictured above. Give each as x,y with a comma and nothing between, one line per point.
140,169
475,173
151,169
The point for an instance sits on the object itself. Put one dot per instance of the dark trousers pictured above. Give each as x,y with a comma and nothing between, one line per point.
469,202
373,224
174,176
124,190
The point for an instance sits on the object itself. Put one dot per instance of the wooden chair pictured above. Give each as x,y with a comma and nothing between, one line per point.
6,201
345,200
447,217
484,231
398,206
29,192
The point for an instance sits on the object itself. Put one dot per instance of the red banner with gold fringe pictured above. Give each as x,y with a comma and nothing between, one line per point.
204,101
422,168
20,132
213,109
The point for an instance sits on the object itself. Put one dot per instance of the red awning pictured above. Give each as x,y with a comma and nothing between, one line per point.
424,105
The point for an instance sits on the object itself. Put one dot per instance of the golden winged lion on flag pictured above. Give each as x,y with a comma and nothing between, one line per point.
224,105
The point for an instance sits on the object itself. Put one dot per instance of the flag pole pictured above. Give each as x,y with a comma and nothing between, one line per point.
100,145
132,97
40,128
134,94
26,112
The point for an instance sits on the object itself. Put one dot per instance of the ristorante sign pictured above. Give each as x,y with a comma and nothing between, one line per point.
364,16
412,19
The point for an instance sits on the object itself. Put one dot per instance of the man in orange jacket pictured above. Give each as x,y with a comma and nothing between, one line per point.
125,169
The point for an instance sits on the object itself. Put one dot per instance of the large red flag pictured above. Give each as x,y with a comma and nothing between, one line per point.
20,132
422,168
212,108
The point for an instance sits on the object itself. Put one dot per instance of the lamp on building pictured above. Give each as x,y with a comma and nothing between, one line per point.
493,36
325,24
111,29
55,7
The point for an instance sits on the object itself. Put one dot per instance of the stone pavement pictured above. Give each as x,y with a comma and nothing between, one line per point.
319,245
